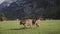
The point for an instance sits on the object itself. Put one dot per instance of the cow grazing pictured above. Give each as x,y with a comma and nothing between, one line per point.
29,22
26,22
36,22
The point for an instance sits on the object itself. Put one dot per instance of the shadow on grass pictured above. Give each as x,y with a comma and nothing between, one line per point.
13,29
20,28
17,29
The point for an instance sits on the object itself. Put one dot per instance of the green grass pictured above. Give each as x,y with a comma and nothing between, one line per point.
46,27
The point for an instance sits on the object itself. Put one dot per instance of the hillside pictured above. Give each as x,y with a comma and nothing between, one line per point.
31,9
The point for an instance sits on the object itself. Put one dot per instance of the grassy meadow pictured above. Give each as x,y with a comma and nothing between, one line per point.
46,27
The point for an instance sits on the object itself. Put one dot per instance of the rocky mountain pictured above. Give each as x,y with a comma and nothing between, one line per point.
21,8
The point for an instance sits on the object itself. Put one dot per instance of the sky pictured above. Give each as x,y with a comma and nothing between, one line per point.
1,1
7,1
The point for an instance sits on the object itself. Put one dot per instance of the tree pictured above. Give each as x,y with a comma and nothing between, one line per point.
2,15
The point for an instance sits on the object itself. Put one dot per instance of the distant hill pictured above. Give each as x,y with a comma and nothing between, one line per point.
31,9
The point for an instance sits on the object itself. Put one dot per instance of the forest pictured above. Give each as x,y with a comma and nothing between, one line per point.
48,9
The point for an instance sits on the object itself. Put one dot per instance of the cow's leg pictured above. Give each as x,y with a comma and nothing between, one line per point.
37,25
25,26
30,25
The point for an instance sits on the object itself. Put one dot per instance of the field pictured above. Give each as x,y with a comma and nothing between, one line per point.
46,27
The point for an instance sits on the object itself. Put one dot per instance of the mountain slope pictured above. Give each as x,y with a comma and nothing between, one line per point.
23,8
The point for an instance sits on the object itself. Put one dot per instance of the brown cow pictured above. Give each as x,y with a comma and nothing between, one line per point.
36,22
26,22
29,22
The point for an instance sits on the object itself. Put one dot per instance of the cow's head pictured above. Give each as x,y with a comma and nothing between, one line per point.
21,23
